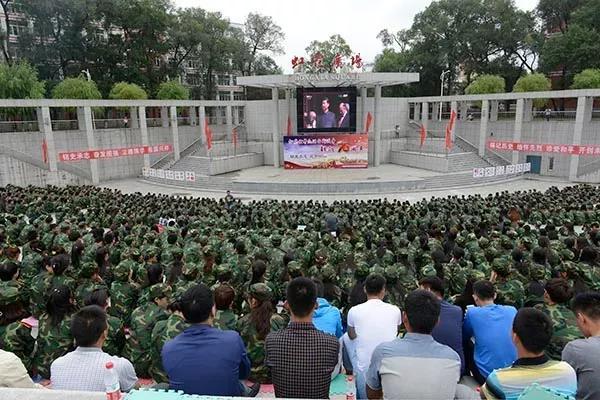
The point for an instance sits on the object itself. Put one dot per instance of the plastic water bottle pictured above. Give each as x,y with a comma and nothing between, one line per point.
111,382
351,388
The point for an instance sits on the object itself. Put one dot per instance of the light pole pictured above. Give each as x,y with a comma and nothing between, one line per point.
442,78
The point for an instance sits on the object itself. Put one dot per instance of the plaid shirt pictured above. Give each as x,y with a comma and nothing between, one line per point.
301,360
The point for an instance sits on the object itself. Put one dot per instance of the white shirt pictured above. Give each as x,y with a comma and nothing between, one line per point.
84,369
13,373
374,322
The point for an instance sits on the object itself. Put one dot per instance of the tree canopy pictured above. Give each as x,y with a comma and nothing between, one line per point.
172,90
20,81
587,79
127,91
486,84
76,88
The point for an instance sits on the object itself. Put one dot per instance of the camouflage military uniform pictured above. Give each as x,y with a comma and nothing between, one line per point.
564,323
123,293
225,320
53,342
17,339
138,348
164,331
116,337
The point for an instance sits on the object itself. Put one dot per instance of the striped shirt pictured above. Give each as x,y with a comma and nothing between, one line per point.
509,383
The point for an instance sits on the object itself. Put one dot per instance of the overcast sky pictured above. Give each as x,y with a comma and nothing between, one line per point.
358,21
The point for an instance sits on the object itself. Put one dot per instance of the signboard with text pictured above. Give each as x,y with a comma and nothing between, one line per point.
102,154
342,151
570,149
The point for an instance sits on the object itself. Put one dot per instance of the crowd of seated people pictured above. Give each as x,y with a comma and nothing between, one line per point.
223,297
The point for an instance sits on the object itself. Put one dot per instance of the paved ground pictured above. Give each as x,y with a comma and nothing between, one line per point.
135,185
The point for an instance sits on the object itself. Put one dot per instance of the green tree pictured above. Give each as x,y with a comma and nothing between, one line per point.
587,79
76,88
533,83
186,34
172,90
20,81
127,91
329,48
485,84
261,33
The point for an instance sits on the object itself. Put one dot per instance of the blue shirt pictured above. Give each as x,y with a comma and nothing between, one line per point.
449,330
491,327
328,318
207,361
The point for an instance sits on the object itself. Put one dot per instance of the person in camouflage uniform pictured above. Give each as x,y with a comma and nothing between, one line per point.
115,340
556,305
56,274
225,318
509,291
54,336
89,280
143,319
163,331
124,292
255,326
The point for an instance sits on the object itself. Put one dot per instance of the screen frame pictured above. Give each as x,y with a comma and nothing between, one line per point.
300,92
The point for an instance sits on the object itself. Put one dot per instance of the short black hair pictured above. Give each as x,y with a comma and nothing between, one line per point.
301,296
485,290
559,290
534,329
422,311
319,285
434,284
98,297
8,270
374,284
224,296
197,303
88,324
588,303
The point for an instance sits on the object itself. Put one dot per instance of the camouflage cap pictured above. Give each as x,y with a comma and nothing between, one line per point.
362,270
428,270
501,266
328,273
537,272
160,290
476,275
121,271
9,293
222,269
190,270
260,291
275,240
294,267
391,273
567,255
88,269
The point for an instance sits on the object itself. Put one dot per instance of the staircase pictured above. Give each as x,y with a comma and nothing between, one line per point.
589,172
200,165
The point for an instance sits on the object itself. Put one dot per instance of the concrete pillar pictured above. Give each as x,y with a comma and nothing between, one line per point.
164,117
463,110
483,127
435,111
134,122
377,126
494,110
202,123
518,127
417,112
363,112
144,132
229,119
88,125
45,126
236,115
453,107
425,114
175,132
584,115
527,110
275,126
193,116
80,119
288,106
404,111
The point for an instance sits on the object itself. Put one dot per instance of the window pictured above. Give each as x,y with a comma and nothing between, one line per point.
15,7
16,28
550,163
224,96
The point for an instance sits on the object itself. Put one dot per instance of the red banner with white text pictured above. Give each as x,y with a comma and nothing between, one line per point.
570,149
102,154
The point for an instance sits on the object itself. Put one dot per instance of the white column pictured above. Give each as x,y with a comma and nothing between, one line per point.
144,132
202,124
175,132
164,117
377,126
424,113
453,107
435,111
527,110
584,114
363,112
91,140
228,120
236,115
464,106
483,127
45,126
518,127
275,126
135,122
193,116
288,104
494,110
417,112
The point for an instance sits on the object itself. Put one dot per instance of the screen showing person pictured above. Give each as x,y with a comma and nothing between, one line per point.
326,109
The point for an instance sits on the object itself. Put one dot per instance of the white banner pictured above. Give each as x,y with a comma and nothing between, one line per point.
501,170
189,176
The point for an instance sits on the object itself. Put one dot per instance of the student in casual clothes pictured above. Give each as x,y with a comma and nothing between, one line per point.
370,324
531,334
327,318
205,360
416,366
301,357
490,326
448,331
584,354
13,373
84,368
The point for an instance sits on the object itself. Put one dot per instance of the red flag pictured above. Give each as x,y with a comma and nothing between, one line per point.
45,151
235,137
289,126
423,134
449,128
208,134
369,121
